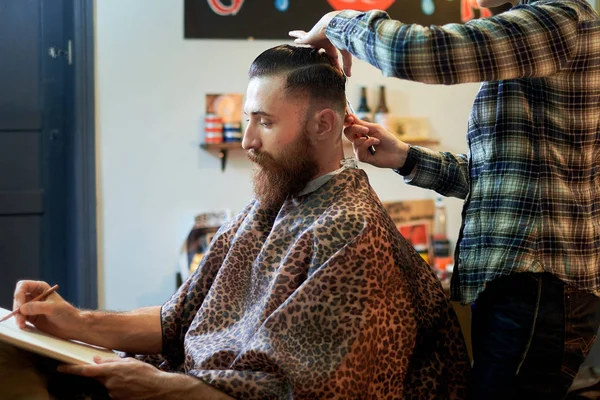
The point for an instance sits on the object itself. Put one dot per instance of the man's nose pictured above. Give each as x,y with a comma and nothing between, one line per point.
251,139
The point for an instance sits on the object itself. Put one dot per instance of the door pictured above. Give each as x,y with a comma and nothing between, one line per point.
33,190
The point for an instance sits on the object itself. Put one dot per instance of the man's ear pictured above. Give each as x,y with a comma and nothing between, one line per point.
323,125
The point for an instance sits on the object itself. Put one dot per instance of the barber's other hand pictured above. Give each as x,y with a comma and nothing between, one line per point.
316,38
53,315
390,151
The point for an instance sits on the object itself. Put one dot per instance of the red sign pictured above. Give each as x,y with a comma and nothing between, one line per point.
361,5
219,8
467,12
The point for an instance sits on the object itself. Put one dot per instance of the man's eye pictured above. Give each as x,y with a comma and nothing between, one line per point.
266,124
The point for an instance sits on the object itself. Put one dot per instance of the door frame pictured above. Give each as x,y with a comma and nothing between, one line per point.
84,250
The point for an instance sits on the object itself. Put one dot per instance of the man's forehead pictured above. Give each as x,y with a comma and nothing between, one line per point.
269,84
268,92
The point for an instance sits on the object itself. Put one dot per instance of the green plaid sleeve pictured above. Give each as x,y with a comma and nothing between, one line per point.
444,172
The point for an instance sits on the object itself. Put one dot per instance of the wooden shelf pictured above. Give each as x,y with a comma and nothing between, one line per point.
223,149
221,146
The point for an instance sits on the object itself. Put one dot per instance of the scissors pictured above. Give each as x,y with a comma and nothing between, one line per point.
350,109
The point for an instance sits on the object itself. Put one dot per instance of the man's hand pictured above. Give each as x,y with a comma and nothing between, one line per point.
316,38
138,331
133,379
391,151
53,315
125,379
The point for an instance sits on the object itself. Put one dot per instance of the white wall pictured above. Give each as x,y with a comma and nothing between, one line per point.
152,176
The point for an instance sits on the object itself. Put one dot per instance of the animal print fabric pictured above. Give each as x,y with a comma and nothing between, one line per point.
319,299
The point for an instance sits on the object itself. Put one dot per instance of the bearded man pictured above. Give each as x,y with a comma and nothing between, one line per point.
309,293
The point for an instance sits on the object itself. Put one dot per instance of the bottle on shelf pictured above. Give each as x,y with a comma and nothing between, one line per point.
213,129
232,132
440,242
364,112
439,222
382,113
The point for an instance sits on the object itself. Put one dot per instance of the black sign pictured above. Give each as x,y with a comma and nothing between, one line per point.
273,19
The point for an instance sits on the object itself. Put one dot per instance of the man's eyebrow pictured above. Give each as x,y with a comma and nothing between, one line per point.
259,112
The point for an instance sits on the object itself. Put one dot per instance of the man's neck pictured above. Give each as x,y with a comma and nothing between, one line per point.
319,181
331,166
329,157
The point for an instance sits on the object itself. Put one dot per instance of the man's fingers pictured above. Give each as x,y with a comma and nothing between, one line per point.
332,52
21,321
361,141
370,141
347,62
25,291
369,125
90,371
100,360
37,308
365,142
23,288
317,39
348,120
361,148
299,35
354,132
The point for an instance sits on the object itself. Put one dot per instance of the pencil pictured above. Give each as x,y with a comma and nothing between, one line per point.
38,298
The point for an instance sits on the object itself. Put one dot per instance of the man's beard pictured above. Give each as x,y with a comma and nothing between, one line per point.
277,178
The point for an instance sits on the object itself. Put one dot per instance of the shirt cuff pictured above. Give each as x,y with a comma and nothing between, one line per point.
427,168
412,161
338,27
409,178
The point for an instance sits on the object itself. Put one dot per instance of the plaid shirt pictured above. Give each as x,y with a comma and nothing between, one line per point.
531,181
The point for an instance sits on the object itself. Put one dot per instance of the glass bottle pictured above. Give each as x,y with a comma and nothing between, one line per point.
364,112
382,113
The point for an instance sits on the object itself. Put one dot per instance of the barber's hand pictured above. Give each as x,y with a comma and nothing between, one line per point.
316,38
124,379
391,152
53,315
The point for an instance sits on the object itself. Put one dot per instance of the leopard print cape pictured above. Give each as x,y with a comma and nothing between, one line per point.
321,298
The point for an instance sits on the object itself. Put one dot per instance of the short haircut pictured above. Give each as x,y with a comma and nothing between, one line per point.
307,71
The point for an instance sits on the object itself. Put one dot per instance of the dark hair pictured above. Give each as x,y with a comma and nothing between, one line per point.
307,71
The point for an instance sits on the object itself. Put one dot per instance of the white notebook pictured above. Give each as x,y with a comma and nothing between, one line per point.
36,341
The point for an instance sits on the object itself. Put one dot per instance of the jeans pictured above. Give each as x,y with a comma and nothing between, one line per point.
530,334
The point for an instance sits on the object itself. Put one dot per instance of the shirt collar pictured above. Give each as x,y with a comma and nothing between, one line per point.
320,181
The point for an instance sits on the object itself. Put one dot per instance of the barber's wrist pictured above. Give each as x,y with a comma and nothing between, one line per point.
407,160
402,154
